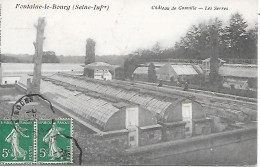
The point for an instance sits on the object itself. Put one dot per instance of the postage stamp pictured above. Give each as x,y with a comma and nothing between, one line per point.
17,141
53,141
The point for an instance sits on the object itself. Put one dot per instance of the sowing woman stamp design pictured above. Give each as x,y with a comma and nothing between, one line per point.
16,141
13,138
51,138
52,144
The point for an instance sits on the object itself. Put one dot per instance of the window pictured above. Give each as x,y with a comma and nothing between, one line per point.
5,82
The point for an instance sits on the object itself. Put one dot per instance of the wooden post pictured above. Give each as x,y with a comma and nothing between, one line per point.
36,81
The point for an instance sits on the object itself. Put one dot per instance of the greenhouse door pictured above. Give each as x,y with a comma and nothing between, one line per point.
132,118
187,117
132,123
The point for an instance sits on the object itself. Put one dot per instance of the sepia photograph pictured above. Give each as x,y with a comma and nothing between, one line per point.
119,83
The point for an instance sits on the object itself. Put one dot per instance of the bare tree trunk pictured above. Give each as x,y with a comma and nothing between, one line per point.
36,81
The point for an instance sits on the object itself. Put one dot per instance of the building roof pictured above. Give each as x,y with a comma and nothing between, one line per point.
208,59
156,64
150,102
179,69
184,70
238,70
142,70
96,110
198,68
90,98
100,66
19,69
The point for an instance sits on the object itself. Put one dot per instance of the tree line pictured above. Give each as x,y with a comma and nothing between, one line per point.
235,40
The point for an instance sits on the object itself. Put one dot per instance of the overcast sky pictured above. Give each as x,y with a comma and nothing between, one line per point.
125,27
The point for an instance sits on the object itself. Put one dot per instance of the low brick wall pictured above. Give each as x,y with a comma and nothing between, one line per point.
202,127
173,131
150,135
236,147
115,138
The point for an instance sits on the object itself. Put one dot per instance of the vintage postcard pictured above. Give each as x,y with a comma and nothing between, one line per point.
119,82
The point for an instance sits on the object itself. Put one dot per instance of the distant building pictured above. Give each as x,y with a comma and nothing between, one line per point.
206,65
141,73
178,72
239,76
101,70
10,73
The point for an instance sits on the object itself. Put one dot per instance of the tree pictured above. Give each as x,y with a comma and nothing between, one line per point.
235,36
50,57
130,65
196,43
157,51
214,52
151,73
251,43
90,56
188,44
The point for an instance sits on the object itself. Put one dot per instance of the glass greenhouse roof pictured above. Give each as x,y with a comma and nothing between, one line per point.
150,102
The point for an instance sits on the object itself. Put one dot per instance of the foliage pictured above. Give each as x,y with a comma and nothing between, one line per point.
235,41
151,73
90,51
130,65
90,56
20,58
235,36
120,73
50,57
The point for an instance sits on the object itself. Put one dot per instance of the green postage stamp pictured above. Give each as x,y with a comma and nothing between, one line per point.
53,144
17,141
36,141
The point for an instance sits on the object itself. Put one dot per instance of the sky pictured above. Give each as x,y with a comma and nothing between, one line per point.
126,26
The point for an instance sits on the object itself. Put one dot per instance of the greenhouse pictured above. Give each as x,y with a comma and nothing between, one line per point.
97,111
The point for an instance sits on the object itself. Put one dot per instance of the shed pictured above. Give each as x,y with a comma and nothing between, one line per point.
101,70
175,72
141,73
239,76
